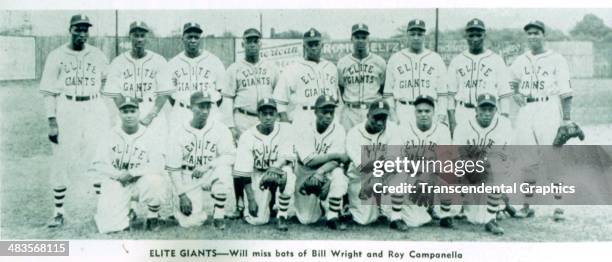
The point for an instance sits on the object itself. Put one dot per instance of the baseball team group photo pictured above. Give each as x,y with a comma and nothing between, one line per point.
194,124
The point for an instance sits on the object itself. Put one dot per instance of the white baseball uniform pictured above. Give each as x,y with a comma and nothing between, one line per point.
545,80
188,75
362,80
410,75
470,75
255,154
140,154
311,144
210,149
248,83
299,86
143,79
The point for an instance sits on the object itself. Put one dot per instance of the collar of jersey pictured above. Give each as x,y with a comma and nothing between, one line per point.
327,131
367,135
129,56
203,54
408,53
209,124
249,64
423,134
70,51
261,136
493,124
360,60
546,53
140,132
485,53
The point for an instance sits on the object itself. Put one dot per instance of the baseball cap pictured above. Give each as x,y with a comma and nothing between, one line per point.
416,24
312,35
424,99
486,99
325,100
192,26
200,97
378,107
128,101
79,19
475,24
251,32
266,102
360,28
139,25
536,24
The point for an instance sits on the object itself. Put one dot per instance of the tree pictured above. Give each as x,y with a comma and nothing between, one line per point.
591,28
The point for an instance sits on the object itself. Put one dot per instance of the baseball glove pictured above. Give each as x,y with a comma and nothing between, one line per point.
566,132
317,185
273,177
367,186
420,197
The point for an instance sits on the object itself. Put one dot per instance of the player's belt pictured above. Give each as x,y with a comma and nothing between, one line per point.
308,107
404,102
466,104
360,105
188,168
240,110
81,98
536,99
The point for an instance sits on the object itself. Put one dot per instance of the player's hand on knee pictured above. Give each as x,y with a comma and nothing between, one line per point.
53,130
253,208
185,205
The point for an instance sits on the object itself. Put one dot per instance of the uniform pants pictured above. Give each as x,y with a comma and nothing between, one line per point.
263,197
308,208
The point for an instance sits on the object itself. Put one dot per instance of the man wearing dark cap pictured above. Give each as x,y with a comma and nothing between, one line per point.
200,156
71,82
488,132
303,81
249,80
195,70
321,153
415,71
361,78
131,163
542,82
141,74
476,71
263,148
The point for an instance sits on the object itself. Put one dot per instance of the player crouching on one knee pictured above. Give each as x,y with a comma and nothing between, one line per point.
129,159
320,178
201,152
264,166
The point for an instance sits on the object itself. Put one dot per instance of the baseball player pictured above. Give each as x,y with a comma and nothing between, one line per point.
377,132
71,82
131,161
320,152
302,82
200,156
264,147
485,130
141,74
361,78
473,72
541,78
249,80
194,70
422,138
415,71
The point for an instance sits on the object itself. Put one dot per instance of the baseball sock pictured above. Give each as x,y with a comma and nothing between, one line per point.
397,201
335,205
58,194
528,196
445,207
219,203
97,187
153,210
493,203
283,205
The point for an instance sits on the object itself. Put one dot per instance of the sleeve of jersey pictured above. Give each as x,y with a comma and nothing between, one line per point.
174,152
281,92
440,77
460,134
163,79
504,85
339,143
353,147
112,88
341,67
220,75
102,163
389,79
244,164
515,69
289,138
155,163
451,79
230,87
563,79
227,150
275,74
305,147
49,82
382,64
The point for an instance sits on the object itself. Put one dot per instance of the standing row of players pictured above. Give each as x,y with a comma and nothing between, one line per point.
191,99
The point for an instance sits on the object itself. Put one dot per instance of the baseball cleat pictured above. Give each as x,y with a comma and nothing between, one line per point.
494,228
281,224
219,223
56,221
153,224
336,224
511,210
447,222
237,214
525,212
558,215
399,225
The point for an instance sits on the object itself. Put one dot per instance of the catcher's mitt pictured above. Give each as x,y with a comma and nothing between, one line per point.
566,132
273,177
316,185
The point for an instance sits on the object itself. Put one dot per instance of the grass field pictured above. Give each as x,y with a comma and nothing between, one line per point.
26,198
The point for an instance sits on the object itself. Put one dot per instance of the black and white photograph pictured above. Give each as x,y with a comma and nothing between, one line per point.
226,125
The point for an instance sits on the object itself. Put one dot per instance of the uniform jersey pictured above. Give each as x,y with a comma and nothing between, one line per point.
498,133
419,143
359,136
142,78
470,75
361,78
304,81
257,152
202,73
74,73
542,75
312,143
248,83
410,75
